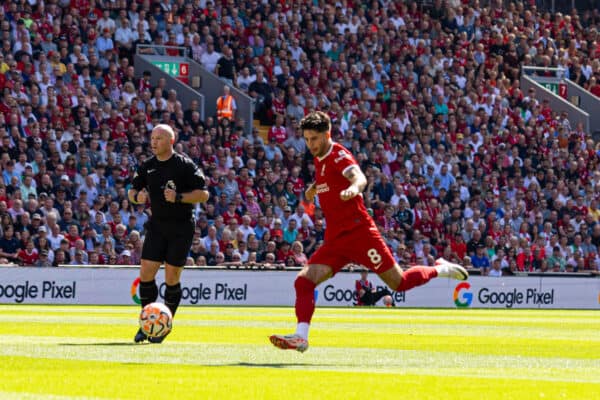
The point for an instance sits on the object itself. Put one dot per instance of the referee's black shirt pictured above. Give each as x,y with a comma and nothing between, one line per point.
154,175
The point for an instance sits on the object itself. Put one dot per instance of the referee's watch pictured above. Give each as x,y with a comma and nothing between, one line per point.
178,198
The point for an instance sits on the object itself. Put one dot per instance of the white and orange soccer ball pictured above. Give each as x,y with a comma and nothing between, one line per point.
388,301
156,320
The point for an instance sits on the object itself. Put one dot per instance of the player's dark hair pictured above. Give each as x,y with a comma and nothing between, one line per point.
316,121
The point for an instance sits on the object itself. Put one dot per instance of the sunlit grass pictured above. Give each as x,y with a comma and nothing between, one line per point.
70,352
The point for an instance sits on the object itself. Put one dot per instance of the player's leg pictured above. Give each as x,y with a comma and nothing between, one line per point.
306,282
179,242
324,263
370,250
148,288
172,294
173,286
400,281
418,275
153,252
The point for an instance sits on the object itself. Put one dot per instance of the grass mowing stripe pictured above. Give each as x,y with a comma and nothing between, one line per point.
322,319
398,325
523,345
68,378
580,349
447,362
546,338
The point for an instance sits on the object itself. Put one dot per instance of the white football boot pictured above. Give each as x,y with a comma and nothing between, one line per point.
446,269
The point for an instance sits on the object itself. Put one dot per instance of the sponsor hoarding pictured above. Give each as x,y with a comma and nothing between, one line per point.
119,286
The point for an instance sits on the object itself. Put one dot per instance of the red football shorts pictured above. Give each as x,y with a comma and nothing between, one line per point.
363,245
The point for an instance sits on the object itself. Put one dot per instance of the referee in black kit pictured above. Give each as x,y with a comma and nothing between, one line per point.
174,184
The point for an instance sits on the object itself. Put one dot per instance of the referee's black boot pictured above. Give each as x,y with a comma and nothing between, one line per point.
140,336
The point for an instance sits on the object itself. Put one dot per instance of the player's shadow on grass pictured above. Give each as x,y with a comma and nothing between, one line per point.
103,344
276,365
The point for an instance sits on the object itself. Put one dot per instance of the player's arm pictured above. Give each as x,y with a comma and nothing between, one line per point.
358,182
310,192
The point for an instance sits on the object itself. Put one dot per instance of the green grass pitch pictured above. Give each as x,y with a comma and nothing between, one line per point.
85,352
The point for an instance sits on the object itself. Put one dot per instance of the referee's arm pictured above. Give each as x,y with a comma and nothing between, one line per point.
137,193
199,193
195,196
137,196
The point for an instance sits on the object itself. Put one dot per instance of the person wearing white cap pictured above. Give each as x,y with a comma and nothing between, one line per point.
125,257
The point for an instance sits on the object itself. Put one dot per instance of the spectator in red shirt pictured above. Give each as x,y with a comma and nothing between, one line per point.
29,255
284,251
278,132
276,230
525,260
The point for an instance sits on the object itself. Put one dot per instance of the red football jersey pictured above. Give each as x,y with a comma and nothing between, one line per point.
27,258
329,182
278,133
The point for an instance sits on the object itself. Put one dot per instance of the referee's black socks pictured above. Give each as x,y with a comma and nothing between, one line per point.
173,297
148,292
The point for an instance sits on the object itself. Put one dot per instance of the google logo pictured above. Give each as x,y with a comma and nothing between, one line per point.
466,298
134,288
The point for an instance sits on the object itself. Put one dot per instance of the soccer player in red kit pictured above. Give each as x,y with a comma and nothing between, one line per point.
351,235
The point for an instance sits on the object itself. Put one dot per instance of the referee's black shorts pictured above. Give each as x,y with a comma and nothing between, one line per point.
168,241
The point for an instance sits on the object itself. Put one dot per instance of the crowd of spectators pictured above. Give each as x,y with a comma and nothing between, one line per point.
461,163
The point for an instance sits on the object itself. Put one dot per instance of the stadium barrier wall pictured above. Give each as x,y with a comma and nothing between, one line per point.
119,286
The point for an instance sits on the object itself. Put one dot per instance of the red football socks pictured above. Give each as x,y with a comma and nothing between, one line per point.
305,299
416,276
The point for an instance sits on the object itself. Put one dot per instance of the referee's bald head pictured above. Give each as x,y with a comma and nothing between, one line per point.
165,129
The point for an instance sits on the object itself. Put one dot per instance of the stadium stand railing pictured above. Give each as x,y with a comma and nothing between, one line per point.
549,88
197,79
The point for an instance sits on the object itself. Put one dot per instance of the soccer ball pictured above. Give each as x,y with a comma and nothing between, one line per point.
388,301
156,320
